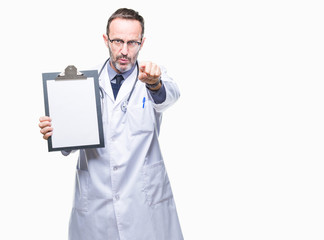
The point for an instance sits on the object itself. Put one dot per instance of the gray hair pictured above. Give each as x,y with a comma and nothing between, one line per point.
126,13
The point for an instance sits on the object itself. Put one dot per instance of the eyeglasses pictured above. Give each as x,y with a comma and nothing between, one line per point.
118,43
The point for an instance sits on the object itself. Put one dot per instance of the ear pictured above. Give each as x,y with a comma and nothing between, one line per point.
142,42
105,37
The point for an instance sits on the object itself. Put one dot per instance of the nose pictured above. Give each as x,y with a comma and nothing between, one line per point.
124,49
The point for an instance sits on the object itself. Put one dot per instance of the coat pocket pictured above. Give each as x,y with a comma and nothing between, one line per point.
81,190
156,183
139,118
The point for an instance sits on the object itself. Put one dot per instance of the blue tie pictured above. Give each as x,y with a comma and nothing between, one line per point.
116,86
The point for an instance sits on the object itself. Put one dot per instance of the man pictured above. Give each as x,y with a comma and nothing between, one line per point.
122,191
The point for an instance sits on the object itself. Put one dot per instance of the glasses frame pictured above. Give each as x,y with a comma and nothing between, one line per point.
130,44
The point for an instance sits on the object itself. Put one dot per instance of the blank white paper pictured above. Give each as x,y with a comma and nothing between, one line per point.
72,107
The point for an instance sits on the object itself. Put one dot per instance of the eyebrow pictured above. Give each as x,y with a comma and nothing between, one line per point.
132,40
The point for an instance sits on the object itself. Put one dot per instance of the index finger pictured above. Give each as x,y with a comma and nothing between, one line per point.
142,66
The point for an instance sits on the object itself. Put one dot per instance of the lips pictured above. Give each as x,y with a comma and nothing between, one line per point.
123,61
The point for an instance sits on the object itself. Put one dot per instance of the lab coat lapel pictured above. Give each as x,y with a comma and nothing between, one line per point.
105,84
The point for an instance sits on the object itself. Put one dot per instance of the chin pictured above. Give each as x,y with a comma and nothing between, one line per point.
124,68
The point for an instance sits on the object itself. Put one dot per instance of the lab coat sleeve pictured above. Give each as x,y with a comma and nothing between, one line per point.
172,92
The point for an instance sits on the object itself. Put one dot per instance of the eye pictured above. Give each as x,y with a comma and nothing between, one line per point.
118,41
131,43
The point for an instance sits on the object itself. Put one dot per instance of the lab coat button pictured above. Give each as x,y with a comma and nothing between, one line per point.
117,197
115,168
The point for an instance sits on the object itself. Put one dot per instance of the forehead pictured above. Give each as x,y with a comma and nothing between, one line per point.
125,29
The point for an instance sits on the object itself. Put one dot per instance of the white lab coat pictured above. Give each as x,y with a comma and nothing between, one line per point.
123,191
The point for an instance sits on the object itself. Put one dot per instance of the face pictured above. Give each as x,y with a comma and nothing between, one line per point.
123,57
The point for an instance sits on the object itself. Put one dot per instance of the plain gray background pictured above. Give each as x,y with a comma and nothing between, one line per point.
244,144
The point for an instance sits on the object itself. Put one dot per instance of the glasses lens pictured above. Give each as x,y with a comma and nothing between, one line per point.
120,43
131,44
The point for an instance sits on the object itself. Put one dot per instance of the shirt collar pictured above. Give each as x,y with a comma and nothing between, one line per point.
112,73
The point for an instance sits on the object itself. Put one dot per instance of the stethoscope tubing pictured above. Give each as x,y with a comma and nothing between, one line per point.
125,103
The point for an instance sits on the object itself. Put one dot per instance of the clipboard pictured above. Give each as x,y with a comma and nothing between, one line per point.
72,100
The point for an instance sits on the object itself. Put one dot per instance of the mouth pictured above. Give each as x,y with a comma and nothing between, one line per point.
123,60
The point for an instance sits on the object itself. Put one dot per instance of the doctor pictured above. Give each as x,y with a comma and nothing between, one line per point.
122,191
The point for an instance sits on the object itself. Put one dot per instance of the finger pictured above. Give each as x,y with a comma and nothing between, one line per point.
45,124
142,76
145,67
46,130
142,66
148,68
47,135
45,118
155,72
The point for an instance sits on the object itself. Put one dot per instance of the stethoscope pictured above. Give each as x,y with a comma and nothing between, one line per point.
124,104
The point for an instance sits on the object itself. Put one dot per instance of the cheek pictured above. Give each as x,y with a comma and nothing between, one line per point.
134,58
112,54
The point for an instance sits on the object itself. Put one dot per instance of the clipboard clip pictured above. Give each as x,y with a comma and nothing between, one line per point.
70,72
